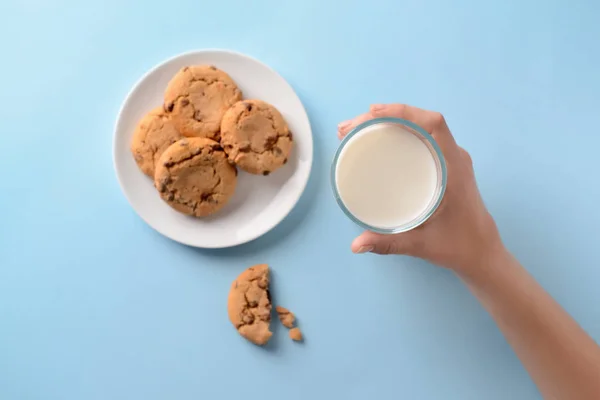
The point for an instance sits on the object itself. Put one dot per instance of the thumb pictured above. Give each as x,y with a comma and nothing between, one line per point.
371,242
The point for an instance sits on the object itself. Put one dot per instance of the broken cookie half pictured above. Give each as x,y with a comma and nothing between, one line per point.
249,304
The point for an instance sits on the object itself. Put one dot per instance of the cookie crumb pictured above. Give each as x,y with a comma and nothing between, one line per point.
295,334
286,317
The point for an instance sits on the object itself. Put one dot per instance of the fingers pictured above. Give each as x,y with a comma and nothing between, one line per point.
370,242
431,121
345,127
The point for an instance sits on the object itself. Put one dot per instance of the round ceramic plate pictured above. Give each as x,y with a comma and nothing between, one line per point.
259,202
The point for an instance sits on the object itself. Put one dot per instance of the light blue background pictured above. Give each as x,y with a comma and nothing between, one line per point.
96,305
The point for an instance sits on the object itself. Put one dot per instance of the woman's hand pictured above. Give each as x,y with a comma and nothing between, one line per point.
461,234
560,357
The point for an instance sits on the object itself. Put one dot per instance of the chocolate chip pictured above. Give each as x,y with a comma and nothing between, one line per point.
162,186
168,164
217,147
185,102
265,173
270,142
291,136
248,318
277,151
245,148
207,197
169,107
171,197
185,68
198,115
213,67
285,160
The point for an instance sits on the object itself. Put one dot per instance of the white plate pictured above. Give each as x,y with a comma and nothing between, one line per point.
260,202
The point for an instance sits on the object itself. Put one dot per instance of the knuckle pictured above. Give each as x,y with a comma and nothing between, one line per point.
393,109
382,248
469,158
438,119
466,155
400,108
389,248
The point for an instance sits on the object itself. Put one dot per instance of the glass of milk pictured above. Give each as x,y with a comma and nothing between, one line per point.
388,175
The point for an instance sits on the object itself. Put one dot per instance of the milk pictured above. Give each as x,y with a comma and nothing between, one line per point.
386,176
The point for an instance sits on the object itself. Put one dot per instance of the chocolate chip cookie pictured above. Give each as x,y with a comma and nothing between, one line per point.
196,99
194,176
249,304
153,134
256,137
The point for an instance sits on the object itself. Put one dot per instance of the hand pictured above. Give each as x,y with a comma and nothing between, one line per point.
461,233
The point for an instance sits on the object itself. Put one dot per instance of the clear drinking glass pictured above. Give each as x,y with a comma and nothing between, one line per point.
438,157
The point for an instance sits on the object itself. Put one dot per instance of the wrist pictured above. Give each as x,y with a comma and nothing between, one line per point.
485,261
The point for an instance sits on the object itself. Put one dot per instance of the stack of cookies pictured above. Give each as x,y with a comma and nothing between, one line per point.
192,145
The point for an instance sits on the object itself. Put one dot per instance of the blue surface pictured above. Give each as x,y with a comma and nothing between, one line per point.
96,305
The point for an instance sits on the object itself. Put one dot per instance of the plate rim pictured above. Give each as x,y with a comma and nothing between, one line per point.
137,84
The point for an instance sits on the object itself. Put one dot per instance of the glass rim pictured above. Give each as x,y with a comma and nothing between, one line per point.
437,154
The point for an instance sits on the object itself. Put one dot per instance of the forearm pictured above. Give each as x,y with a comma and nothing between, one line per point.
561,358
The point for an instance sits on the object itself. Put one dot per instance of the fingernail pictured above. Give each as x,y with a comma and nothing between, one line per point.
377,107
343,125
365,249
